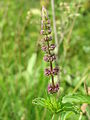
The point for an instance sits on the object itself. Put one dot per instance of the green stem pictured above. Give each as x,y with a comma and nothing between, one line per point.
80,118
53,117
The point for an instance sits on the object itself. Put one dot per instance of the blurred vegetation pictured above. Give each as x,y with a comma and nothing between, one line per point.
21,60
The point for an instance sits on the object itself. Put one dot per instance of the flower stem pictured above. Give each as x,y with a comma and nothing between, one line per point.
51,66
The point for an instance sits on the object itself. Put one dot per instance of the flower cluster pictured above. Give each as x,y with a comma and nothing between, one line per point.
49,72
48,48
49,58
52,89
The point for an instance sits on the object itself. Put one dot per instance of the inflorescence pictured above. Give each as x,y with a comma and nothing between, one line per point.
48,48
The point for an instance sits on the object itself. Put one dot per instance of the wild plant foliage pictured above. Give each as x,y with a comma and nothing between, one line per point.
62,104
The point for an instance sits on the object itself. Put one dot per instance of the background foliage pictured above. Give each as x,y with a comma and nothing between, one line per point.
21,60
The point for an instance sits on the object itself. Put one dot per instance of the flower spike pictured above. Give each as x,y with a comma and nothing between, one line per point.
48,48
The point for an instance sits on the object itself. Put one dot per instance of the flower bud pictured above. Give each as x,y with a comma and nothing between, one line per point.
44,13
50,37
52,47
53,89
53,57
46,58
49,58
55,71
47,72
44,48
47,38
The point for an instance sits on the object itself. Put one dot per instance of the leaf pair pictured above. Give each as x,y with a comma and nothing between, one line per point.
49,103
76,98
68,103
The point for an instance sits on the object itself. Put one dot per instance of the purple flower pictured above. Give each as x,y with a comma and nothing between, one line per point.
42,26
42,32
49,88
49,58
49,31
55,71
50,37
52,47
44,48
42,22
47,38
53,89
44,13
43,9
47,72
48,47
46,58
52,57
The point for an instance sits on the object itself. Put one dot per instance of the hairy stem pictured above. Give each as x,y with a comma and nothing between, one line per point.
51,66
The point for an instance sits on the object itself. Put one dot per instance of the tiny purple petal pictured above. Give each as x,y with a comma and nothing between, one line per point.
44,13
48,38
42,32
42,22
47,72
46,58
44,48
57,85
49,88
55,71
52,57
52,47
42,26
43,8
53,89
49,58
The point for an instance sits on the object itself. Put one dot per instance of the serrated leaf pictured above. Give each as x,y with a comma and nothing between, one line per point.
44,103
39,101
70,107
48,103
76,98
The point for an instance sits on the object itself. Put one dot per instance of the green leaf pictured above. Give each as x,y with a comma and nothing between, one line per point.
49,103
31,64
88,111
39,101
65,115
76,98
70,107
46,103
